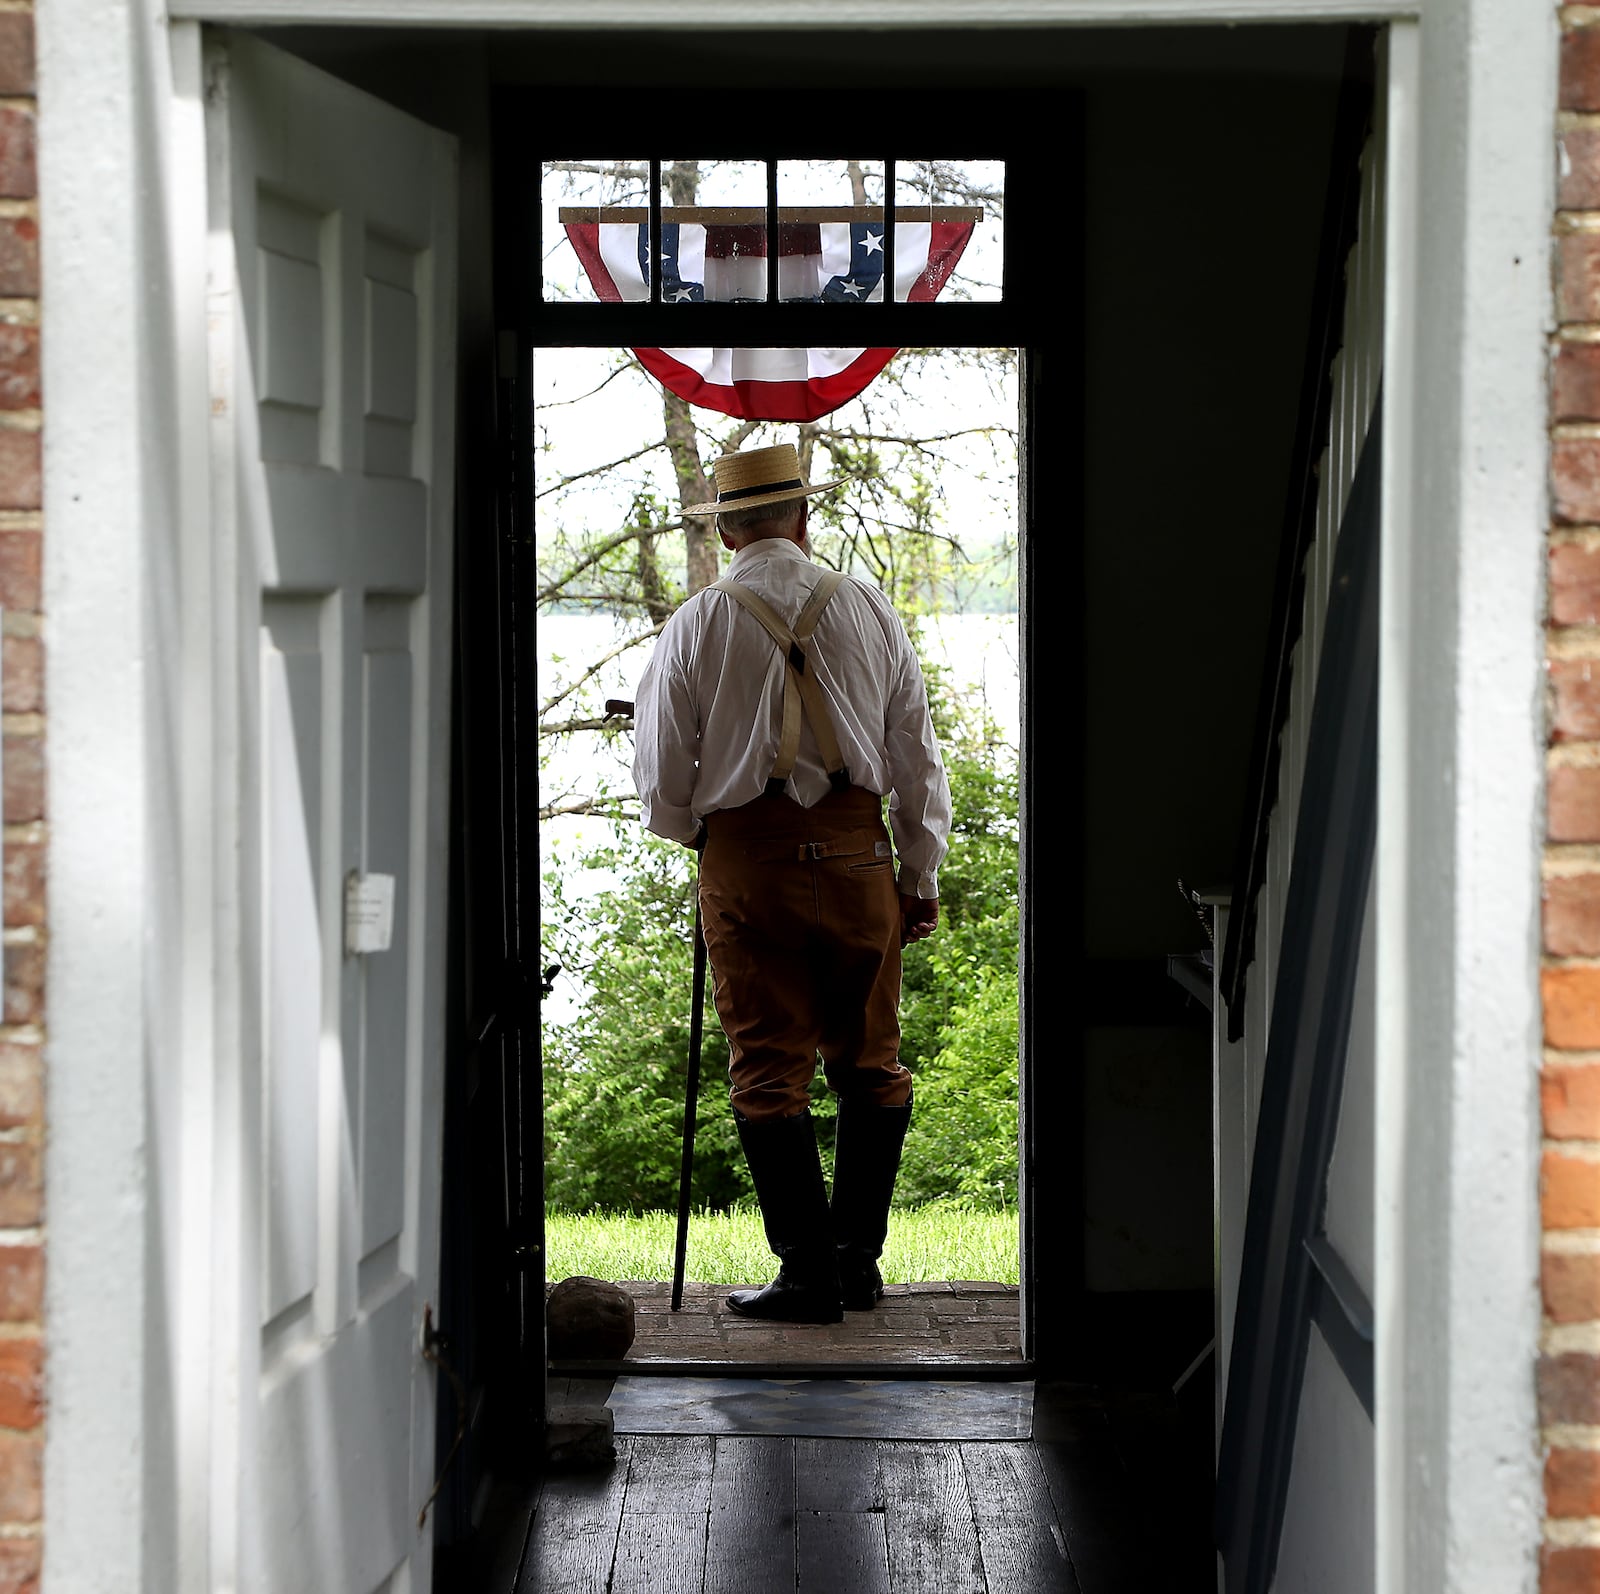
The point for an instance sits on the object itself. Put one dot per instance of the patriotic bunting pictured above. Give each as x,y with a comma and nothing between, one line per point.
829,261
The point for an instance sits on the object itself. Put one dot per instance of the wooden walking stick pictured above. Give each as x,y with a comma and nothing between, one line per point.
620,708
697,1009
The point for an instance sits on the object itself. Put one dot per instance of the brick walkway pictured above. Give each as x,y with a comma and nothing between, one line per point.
933,1323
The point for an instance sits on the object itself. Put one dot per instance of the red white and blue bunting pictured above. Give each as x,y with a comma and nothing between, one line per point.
830,261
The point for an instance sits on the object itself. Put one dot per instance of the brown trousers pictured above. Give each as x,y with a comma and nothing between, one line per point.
802,925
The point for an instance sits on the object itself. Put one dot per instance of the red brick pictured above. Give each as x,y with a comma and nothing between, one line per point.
23,758
21,1188
1575,582
20,1566
21,1455
1569,1569
19,255
19,177
1569,1190
20,478
21,1086
1575,699
19,365
21,1283
1571,1007
1570,1097
1572,1483
21,1383
1570,1283
1580,70
1572,915
24,878
1579,167
1575,382
19,565
1577,269
1569,1388
1573,798
1575,478
16,53
24,989
23,673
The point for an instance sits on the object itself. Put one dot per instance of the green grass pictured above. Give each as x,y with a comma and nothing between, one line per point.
943,1240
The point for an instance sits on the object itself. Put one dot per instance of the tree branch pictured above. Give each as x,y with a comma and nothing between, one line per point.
566,727
597,470
595,555
557,404
919,443
598,665
608,808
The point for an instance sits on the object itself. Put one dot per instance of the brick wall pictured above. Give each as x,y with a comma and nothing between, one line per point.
22,726
1569,1374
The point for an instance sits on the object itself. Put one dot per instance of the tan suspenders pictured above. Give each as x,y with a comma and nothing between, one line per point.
800,686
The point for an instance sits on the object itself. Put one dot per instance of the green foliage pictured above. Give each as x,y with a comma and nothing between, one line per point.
615,1074
965,1138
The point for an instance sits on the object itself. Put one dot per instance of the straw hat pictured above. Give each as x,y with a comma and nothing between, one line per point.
758,476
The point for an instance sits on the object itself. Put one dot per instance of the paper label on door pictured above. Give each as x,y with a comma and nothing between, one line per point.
368,913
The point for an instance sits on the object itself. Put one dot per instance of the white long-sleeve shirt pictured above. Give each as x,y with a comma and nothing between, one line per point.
708,712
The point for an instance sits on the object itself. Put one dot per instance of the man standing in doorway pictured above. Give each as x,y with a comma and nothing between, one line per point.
780,707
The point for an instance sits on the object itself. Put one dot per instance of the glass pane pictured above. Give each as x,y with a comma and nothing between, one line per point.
947,229
830,230
592,211
713,231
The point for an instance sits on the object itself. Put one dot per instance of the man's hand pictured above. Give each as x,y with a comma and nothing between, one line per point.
919,918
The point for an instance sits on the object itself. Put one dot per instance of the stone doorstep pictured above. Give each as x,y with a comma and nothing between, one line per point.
935,1322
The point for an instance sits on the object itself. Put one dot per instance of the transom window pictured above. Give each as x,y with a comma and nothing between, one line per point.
766,229
696,231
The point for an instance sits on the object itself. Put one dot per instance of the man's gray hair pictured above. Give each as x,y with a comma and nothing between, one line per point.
733,521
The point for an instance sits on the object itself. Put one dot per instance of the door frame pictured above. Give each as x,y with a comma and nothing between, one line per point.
132,1373
1050,265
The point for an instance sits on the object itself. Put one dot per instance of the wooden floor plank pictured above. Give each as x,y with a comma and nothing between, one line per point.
659,1553
1004,1480
669,1475
575,1526
750,1539
1022,1545
928,1521
843,1552
838,1475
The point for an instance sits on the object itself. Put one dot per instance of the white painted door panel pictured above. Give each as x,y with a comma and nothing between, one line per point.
332,328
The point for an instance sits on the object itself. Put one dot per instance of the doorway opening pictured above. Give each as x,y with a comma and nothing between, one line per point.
929,516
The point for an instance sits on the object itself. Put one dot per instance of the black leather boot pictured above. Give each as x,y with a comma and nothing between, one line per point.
866,1158
794,1207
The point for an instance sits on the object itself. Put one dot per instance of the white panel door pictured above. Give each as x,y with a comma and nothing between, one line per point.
332,337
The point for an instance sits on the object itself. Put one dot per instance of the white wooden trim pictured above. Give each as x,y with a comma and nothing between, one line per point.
116,1383
1401,110
787,14
1460,765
